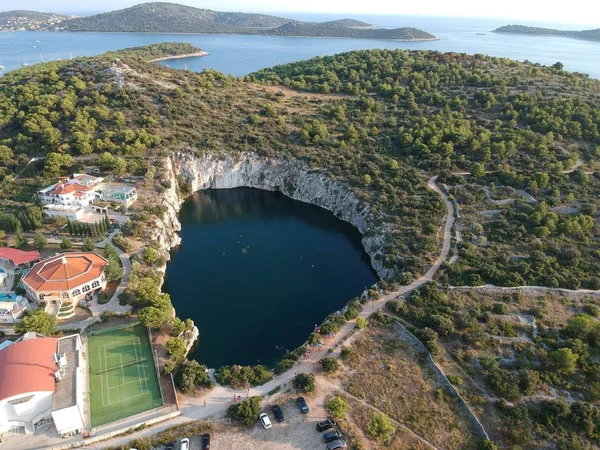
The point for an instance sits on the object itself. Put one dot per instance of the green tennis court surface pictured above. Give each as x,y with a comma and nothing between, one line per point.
122,374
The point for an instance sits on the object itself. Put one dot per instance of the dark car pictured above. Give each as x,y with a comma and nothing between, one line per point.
332,436
335,445
302,405
170,446
325,425
205,442
277,412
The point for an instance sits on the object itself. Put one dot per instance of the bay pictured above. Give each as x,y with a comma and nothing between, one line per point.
240,55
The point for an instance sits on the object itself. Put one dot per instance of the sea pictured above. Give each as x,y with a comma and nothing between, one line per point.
240,54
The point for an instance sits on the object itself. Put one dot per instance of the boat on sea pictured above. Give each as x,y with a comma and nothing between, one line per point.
25,63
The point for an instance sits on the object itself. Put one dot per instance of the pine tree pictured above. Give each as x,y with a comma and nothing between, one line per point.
70,227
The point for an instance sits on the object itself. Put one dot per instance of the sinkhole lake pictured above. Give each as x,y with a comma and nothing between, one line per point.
257,270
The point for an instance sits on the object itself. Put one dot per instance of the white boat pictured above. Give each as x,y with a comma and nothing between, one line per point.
25,63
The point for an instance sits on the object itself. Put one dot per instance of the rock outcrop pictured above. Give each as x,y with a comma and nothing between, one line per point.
291,177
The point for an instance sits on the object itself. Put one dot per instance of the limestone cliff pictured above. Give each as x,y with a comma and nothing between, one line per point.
291,177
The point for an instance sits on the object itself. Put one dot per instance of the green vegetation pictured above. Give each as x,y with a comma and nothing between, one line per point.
484,335
174,18
305,381
593,35
337,407
38,321
247,411
242,377
330,365
192,376
381,427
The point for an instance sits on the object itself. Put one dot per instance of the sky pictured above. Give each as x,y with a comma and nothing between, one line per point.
583,12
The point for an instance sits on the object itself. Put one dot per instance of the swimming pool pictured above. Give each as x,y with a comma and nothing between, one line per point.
8,297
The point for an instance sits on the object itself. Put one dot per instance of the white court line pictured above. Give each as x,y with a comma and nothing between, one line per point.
144,369
138,367
106,375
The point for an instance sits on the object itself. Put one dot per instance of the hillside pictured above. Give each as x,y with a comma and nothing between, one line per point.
351,23
174,18
322,30
29,20
592,35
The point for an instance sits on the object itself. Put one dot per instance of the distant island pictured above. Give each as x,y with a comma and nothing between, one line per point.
591,35
174,18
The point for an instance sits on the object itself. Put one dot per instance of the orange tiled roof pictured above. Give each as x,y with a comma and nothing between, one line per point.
63,188
65,272
27,366
19,256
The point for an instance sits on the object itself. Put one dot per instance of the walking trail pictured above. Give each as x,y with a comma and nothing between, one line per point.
219,398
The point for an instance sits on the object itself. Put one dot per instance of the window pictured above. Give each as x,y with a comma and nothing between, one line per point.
41,297
65,295
76,292
95,284
86,288
18,401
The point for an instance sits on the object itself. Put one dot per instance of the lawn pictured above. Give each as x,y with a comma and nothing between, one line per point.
123,379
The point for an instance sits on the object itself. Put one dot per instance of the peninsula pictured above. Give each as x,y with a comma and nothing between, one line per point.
174,18
590,35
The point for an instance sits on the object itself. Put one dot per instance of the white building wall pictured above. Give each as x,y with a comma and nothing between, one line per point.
25,414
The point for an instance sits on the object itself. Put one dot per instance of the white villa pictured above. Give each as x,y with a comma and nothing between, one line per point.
72,197
64,280
77,190
41,382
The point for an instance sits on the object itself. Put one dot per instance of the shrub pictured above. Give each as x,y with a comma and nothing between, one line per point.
396,306
330,365
305,381
66,244
499,308
176,349
283,365
486,444
381,427
240,377
192,375
361,323
347,353
314,338
455,380
247,411
337,407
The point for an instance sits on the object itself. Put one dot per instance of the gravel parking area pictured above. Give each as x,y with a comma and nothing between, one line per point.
297,432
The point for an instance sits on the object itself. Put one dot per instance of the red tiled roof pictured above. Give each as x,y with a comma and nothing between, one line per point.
27,366
19,256
65,272
68,188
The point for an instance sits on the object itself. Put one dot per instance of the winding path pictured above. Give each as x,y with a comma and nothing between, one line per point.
220,398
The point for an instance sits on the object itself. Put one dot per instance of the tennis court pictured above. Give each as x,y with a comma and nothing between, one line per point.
123,378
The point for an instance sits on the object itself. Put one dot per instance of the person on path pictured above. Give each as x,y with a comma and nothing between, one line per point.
205,403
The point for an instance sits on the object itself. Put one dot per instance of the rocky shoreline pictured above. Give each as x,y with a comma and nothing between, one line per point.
186,55
290,177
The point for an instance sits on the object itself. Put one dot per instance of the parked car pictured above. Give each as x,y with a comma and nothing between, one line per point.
277,412
302,405
170,446
332,436
184,444
264,419
325,425
335,445
205,441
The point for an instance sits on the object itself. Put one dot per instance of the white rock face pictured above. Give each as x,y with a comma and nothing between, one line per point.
291,177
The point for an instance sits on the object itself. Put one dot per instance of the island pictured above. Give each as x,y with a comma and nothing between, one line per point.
160,17
472,180
590,35
20,20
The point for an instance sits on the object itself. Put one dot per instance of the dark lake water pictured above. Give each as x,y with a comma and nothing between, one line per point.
241,55
256,271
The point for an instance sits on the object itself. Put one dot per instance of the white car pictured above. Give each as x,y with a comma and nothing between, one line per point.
184,444
264,419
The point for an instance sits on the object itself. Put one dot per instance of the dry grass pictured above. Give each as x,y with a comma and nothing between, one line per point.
387,373
357,424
